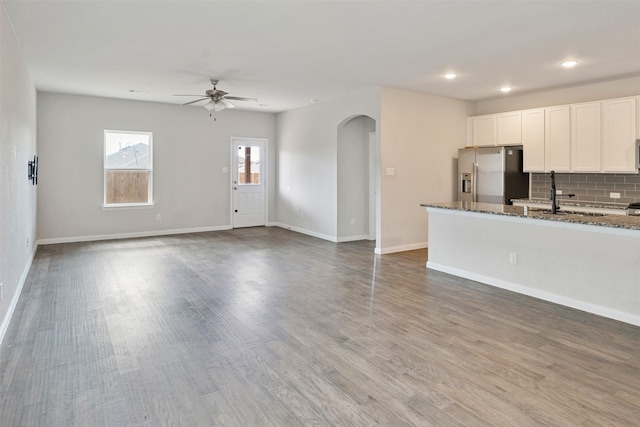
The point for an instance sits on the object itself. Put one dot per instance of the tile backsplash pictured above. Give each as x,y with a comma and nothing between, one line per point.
589,187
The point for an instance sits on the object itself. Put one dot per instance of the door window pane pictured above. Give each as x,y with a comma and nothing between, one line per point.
248,165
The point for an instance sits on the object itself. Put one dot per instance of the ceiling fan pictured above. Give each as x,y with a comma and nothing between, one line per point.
218,99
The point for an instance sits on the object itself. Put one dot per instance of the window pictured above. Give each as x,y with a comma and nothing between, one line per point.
127,168
248,165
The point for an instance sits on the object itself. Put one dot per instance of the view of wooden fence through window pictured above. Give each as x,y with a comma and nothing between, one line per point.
127,186
248,165
127,168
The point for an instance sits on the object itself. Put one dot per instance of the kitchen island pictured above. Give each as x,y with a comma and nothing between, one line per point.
588,262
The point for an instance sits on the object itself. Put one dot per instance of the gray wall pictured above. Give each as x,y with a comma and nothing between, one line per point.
419,137
190,149
307,162
17,147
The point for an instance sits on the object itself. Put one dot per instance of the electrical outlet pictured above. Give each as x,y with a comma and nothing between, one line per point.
158,217
0,291
614,195
513,258
353,221
27,242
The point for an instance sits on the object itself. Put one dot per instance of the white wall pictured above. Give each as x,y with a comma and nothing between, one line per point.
307,162
17,147
353,178
419,137
190,190
580,93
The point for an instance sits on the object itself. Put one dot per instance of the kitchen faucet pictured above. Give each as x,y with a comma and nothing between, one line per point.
554,194
554,206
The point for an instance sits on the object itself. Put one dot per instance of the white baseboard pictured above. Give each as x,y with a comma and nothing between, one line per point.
76,239
536,293
401,248
16,295
353,238
304,231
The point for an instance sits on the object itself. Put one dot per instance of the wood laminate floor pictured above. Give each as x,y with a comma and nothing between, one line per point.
266,327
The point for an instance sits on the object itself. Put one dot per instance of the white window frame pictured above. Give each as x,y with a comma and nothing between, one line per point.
104,171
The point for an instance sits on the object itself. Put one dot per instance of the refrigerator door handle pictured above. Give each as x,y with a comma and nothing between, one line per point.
474,184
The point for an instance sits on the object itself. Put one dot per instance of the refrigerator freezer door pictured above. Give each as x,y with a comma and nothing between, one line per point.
466,162
490,175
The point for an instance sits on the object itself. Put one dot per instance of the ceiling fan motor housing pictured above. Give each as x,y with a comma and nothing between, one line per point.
215,93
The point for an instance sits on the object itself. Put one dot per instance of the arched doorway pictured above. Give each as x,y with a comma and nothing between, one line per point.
357,167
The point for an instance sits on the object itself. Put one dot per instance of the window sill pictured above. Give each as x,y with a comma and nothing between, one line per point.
125,206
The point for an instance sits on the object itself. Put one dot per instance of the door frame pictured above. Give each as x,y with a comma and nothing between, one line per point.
265,173
373,179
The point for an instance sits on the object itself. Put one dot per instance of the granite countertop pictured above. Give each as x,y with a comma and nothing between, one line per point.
613,221
568,202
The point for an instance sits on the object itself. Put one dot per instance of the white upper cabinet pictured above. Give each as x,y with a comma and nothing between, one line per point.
619,134
596,136
557,143
482,130
533,140
495,129
586,137
509,128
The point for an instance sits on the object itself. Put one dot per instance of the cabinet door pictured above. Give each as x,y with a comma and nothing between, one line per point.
557,148
533,140
509,128
619,135
586,137
483,130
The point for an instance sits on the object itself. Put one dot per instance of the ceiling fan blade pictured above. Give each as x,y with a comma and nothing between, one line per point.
193,102
190,95
240,98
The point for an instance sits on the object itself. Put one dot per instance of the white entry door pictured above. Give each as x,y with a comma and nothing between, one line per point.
248,160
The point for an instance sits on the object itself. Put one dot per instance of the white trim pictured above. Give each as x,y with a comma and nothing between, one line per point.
536,293
353,238
307,232
4,326
373,170
401,248
153,233
126,206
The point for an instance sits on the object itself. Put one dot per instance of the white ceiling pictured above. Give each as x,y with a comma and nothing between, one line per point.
286,53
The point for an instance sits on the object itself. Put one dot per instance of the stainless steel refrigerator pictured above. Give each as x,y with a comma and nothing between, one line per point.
491,175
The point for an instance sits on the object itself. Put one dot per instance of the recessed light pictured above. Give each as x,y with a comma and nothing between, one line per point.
569,64
450,76
505,89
